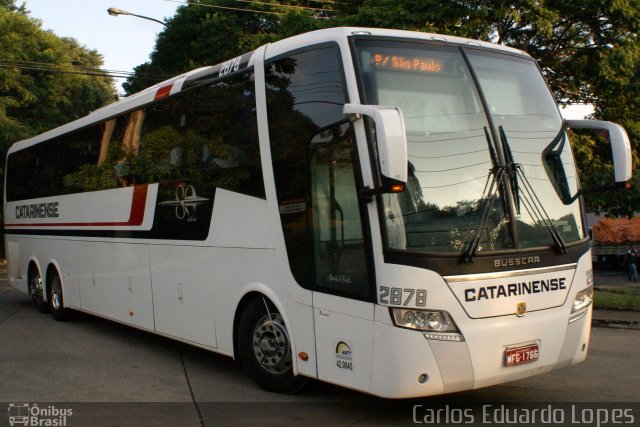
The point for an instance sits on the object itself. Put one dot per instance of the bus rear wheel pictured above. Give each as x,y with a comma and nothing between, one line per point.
265,349
36,292
56,300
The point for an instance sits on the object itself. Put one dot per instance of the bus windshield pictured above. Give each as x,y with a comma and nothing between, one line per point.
489,160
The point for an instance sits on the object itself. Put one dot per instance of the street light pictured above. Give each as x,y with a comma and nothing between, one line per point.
115,12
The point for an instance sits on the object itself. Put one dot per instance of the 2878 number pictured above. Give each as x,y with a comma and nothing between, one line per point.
231,66
403,296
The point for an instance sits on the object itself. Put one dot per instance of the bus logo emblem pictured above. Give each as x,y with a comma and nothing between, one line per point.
521,309
186,201
343,356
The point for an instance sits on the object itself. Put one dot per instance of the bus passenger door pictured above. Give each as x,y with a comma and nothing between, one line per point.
343,312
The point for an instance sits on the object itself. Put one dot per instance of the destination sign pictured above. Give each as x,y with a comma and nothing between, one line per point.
406,63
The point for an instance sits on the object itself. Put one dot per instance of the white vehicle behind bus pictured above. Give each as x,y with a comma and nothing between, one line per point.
394,212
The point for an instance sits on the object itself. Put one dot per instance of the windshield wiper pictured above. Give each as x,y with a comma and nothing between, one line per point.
490,191
532,203
512,167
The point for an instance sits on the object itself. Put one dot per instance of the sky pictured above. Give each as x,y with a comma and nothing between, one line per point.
123,41
127,41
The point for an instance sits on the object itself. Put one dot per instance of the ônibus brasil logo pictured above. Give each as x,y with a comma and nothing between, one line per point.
25,414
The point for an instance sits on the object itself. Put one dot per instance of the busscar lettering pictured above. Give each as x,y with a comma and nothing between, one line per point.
38,210
515,289
515,262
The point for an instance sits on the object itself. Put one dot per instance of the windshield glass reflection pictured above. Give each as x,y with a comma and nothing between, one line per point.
521,106
449,158
453,196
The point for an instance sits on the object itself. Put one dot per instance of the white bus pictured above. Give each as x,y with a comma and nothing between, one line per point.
393,212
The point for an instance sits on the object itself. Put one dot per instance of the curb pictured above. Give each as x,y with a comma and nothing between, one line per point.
616,324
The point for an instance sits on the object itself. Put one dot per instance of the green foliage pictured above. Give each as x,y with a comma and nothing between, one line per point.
198,36
33,101
588,49
11,5
617,299
90,178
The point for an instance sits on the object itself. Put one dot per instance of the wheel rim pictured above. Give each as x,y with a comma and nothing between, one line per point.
271,344
34,289
56,294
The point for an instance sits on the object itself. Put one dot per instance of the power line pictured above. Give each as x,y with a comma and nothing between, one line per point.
70,69
225,7
316,9
284,5
71,66
98,72
52,70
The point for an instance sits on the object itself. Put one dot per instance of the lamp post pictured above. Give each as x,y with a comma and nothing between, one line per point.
115,12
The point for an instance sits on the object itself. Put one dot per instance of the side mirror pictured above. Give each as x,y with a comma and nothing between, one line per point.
391,140
620,146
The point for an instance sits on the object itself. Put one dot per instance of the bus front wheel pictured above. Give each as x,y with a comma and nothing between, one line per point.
265,349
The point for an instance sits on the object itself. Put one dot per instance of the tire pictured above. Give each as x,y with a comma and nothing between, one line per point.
56,300
36,292
265,349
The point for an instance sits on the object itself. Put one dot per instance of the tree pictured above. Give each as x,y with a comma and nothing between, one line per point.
572,40
11,5
38,88
588,50
198,36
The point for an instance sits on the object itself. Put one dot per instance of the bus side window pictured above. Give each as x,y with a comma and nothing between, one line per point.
206,135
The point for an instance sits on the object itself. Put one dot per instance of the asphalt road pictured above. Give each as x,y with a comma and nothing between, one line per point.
109,374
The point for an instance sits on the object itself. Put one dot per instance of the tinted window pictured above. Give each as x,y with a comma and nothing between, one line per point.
207,134
314,169
39,171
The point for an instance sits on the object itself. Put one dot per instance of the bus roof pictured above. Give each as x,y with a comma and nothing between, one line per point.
175,84
340,33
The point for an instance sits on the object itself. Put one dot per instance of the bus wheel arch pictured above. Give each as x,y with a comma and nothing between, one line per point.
263,345
54,288
35,286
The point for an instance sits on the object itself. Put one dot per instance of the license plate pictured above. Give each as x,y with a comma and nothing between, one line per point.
519,355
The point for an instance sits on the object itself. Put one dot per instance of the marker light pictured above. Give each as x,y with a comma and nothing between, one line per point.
437,325
397,188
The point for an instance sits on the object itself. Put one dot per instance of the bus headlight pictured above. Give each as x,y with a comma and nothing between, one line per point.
437,325
584,298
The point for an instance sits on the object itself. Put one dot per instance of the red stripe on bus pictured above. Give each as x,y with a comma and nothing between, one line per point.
136,216
163,92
